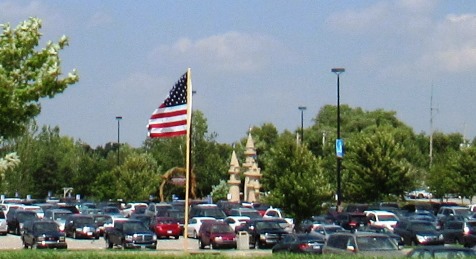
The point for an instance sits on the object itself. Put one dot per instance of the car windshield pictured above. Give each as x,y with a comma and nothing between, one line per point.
375,243
44,227
221,229
424,227
251,214
111,210
61,215
462,212
103,219
84,220
134,227
267,225
22,217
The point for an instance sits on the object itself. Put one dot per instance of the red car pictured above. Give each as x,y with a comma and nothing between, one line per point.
165,227
216,234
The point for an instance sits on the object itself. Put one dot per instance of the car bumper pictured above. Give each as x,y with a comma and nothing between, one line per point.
47,244
225,243
141,245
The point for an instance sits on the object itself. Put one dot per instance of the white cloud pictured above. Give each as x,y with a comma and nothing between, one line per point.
230,52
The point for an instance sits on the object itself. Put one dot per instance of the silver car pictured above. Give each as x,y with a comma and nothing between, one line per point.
3,223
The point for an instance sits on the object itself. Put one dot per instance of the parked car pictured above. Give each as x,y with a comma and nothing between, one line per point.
216,234
469,235
112,211
81,226
361,243
131,207
165,227
416,232
3,223
351,220
264,233
59,216
420,194
278,213
307,225
194,225
328,229
37,209
128,233
19,217
453,231
251,213
236,221
102,222
158,209
207,210
382,218
43,234
446,213
306,243
441,252
379,229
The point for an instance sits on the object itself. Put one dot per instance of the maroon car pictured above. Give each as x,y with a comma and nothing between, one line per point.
216,234
166,227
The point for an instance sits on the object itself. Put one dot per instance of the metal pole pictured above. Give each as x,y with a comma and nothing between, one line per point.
118,118
338,71
302,109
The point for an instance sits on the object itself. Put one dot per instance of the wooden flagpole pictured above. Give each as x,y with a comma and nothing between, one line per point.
188,150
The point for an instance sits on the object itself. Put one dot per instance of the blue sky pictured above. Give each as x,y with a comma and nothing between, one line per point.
255,62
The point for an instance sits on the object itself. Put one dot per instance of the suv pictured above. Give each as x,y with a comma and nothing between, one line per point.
216,234
129,233
58,215
362,243
382,218
43,234
418,232
264,232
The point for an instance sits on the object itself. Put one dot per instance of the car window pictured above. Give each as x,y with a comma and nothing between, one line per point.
375,243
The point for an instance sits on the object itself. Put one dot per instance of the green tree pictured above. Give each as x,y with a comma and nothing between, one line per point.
294,179
27,74
376,166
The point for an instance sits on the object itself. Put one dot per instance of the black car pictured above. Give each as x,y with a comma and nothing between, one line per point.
128,233
43,234
264,233
15,222
351,220
469,235
307,243
418,232
453,231
363,243
441,252
81,226
381,229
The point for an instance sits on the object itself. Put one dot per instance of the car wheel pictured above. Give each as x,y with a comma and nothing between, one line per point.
17,230
34,245
25,245
200,244
123,245
176,237
257,244
211,246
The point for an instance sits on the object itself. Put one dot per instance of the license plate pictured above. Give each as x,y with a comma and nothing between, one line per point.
169,231
90,233
316,247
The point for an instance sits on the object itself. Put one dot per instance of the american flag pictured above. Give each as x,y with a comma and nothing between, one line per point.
170,119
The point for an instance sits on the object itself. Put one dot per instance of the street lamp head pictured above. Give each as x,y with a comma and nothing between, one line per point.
118,117
302,108
338,70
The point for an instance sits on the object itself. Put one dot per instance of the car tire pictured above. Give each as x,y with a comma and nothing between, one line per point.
177,237
200,244
25,245
34,245
257,246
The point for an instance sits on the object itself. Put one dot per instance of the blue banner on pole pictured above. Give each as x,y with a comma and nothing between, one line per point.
339,148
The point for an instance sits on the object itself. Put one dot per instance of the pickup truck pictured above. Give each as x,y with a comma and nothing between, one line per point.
130,234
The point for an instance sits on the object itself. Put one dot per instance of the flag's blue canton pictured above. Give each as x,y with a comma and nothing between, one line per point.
178,94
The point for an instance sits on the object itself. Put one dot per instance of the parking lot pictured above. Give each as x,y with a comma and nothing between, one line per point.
13,242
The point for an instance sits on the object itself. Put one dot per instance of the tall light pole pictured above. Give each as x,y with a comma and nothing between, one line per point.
339,151
118,118
302,109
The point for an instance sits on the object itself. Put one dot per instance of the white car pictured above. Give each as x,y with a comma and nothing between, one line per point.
37,209
278,213
382,218
236,221
194,225
130,208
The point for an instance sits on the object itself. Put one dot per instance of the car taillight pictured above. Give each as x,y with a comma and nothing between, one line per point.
466,231
304,246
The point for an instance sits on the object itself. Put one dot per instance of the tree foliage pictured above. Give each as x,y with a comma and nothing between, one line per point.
27,74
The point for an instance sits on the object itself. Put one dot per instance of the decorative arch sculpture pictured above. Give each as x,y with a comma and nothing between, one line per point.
177,176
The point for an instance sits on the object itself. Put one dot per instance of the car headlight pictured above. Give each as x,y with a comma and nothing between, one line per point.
262,237
420,238
218,238
154,237
129,238
440,237
41,239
